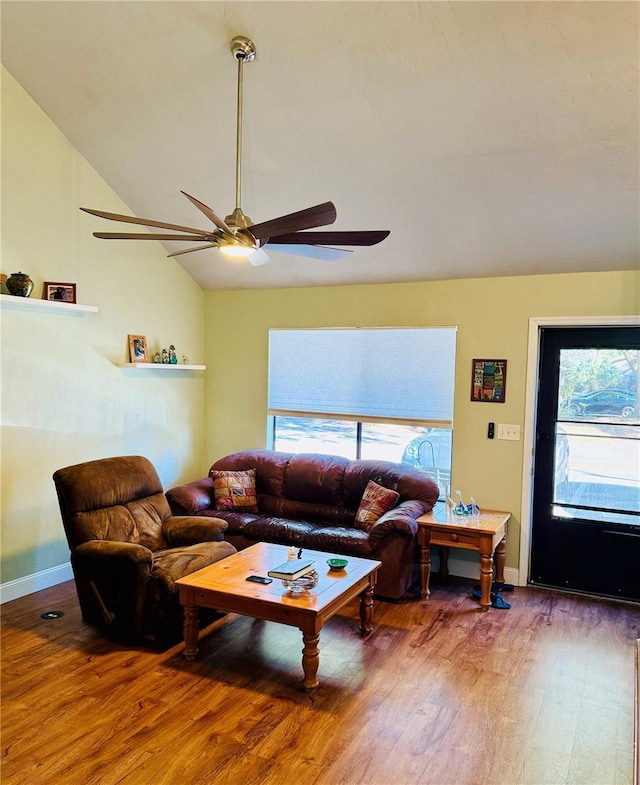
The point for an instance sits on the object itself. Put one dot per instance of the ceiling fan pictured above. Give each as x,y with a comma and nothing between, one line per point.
237,235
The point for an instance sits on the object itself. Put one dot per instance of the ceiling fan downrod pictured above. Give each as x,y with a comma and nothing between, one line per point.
244,51
237,235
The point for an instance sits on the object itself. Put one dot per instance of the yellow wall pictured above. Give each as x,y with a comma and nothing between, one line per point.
65,401
63,398
492,319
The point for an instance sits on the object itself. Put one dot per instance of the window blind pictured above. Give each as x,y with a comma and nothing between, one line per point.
390,373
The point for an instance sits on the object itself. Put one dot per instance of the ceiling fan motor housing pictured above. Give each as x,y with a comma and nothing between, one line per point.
243,49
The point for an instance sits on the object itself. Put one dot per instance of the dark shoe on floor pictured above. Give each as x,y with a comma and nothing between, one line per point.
497,600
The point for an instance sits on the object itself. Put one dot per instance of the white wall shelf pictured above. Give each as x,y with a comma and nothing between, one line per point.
163,366
36,303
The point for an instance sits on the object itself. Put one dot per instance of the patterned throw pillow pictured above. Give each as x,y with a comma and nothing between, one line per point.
235,490
376,500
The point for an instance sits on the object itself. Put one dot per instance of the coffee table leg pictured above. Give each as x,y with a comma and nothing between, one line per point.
190,631
366,611
310,660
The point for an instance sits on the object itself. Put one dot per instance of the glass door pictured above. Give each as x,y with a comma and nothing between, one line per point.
586,489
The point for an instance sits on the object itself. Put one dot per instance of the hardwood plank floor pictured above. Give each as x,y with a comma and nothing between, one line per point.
440,694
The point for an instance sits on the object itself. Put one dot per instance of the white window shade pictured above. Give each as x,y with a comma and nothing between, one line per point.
390,373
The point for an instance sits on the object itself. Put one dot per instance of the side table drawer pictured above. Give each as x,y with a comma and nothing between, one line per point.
463,539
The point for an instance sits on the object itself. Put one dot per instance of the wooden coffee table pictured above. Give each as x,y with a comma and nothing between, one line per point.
223,586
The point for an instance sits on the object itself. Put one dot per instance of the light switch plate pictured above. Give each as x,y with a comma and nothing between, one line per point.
509,432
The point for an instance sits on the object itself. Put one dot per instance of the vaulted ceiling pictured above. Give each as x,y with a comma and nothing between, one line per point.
491,138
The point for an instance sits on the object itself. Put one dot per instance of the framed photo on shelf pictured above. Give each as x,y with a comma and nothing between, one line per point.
59,292
138,352
488,380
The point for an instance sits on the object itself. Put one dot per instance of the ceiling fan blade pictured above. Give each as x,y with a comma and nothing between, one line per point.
144,221
209,213
330,238
259,257
320,252
319,215
133,236
190,250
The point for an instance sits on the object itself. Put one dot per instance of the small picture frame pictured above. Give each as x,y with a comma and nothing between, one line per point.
488,381
138,352
59,292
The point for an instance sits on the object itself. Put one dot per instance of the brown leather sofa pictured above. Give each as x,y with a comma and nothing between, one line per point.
128,550
310,501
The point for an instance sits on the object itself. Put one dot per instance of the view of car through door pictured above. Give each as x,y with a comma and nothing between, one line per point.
586,485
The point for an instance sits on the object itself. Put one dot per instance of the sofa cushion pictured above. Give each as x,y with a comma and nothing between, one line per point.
270,468
174,563
376,500
315,478
235,490
278,506
278,530
339,539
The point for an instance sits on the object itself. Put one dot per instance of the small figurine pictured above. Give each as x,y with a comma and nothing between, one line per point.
165,356
157,358
172,355
460,508
185,359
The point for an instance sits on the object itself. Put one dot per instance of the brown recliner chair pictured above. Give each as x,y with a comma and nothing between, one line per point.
127,549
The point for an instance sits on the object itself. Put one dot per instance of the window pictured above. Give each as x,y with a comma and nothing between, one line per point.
383,393
597,460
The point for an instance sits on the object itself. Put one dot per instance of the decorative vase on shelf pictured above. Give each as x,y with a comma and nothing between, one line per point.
19,284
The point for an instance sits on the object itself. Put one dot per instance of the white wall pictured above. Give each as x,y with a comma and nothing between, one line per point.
64,400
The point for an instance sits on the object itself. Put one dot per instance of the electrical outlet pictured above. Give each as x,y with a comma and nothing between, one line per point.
509,432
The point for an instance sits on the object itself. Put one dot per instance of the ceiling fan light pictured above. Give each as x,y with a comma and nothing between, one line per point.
237,250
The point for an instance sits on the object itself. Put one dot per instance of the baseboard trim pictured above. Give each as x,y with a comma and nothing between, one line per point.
13,590
468,569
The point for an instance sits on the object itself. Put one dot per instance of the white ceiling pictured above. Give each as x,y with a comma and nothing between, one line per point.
491,138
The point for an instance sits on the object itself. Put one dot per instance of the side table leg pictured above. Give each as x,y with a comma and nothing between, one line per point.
310,660
444,562
500,558
366,611
190,631
486,578
424,561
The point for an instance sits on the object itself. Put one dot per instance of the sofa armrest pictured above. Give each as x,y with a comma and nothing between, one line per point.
191,529
401,518
192,497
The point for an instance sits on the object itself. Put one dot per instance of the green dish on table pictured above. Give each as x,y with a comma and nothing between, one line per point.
337,564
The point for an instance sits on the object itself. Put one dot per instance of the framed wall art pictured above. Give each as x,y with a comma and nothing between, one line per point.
60,292
488,380
138,352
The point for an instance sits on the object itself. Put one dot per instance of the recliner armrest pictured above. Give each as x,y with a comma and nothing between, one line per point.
118,563
192,497
191,529
109,552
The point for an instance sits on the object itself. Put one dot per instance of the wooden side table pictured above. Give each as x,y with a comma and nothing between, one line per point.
486,534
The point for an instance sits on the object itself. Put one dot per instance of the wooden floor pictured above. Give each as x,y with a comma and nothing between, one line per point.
440,694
